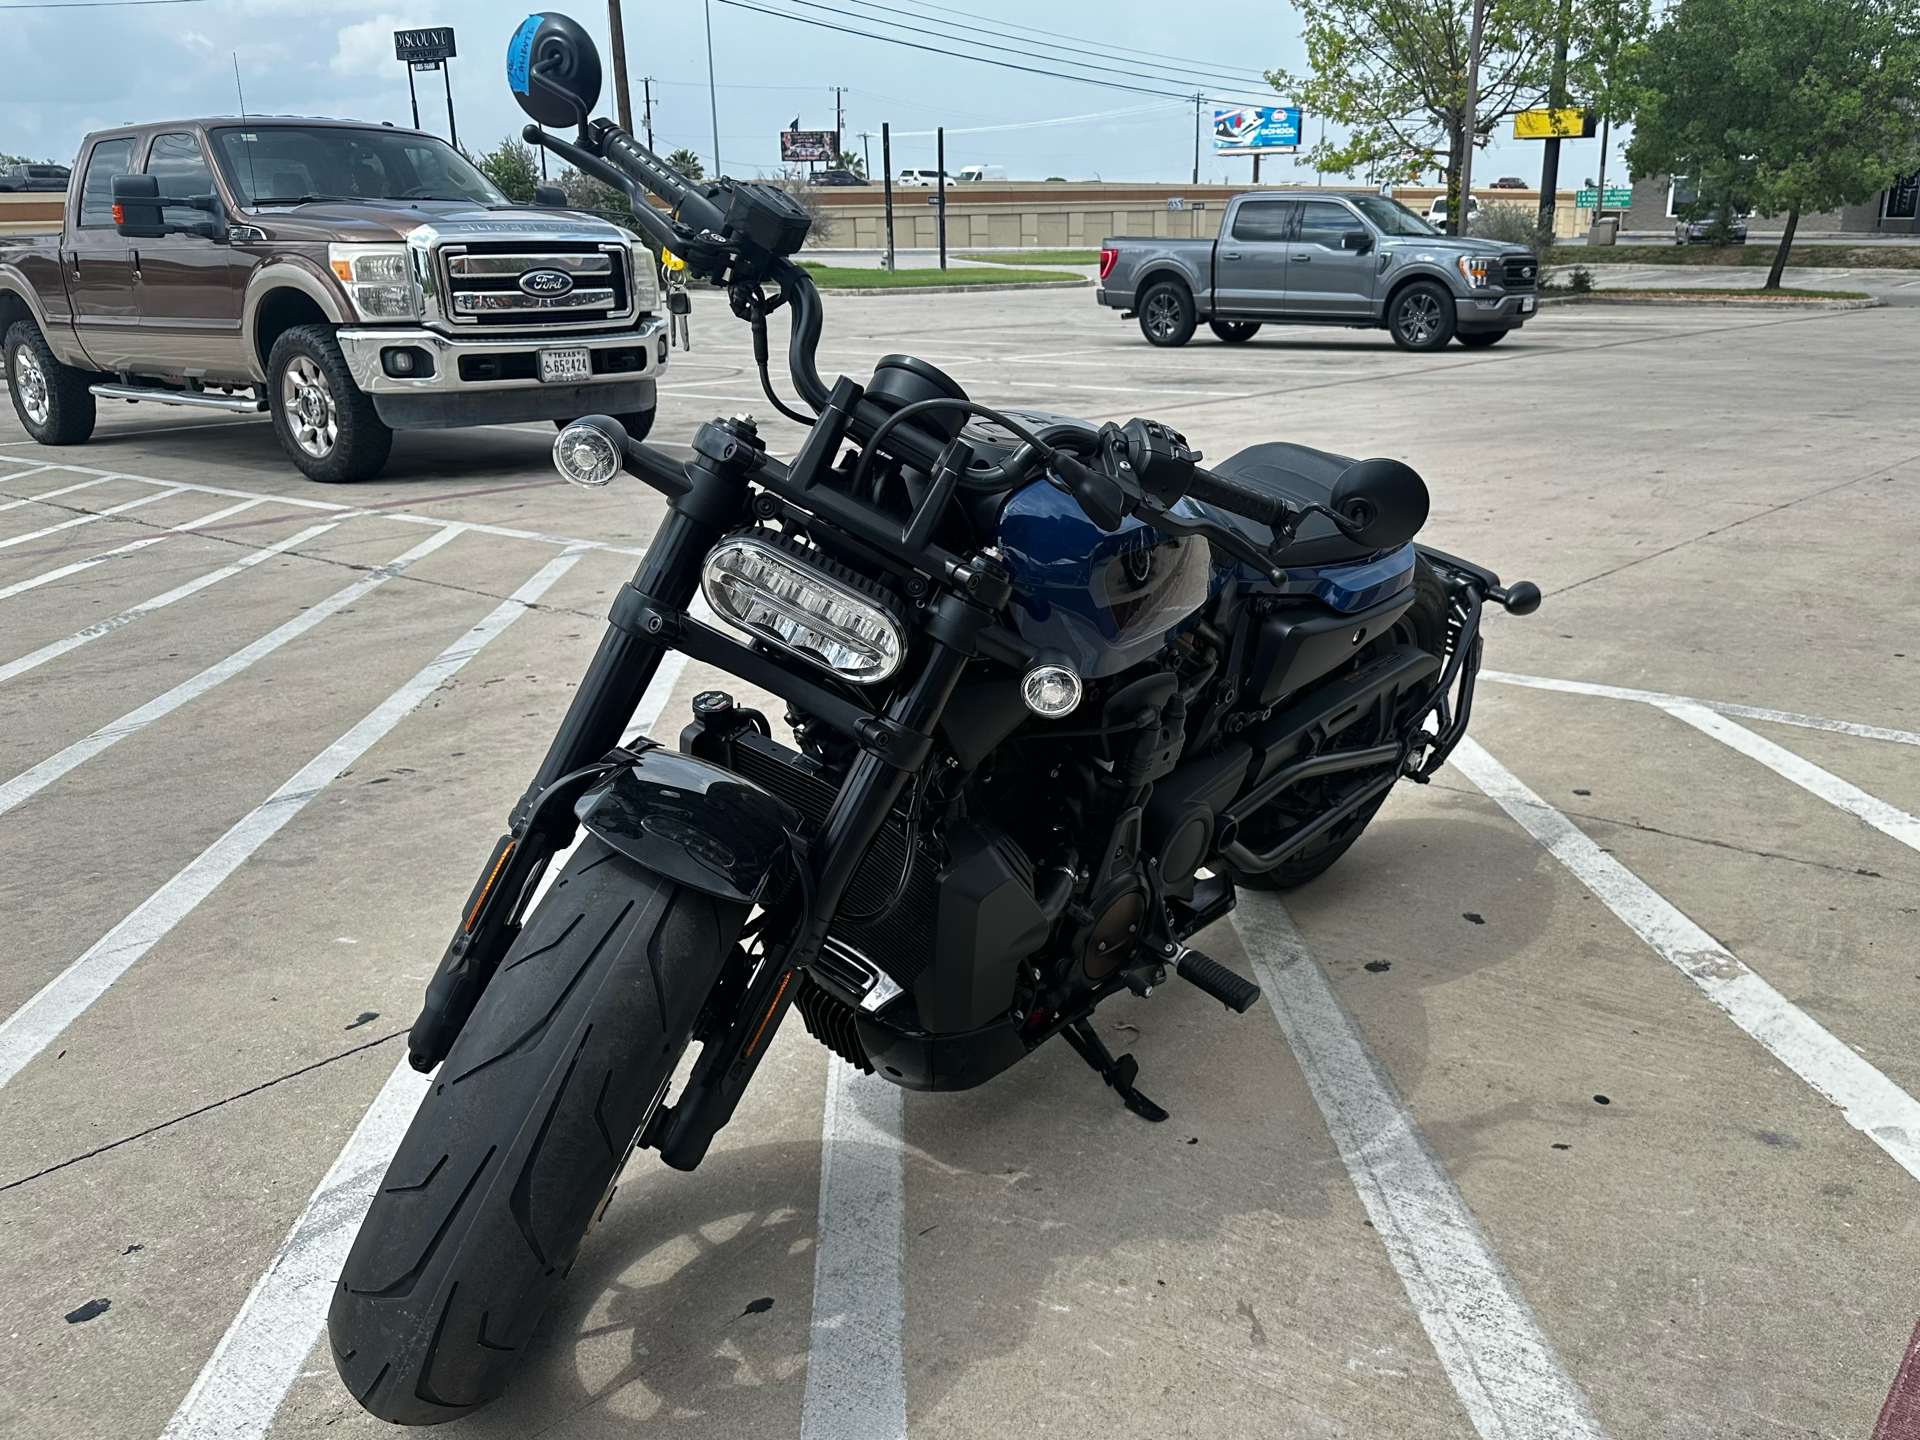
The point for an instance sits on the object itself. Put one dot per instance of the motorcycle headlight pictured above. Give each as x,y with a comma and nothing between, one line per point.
1478,270
379,280
776,596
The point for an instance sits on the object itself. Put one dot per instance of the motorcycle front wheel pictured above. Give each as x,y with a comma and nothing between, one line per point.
517,1146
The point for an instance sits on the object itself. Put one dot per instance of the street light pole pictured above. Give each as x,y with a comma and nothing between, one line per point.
940,178
886,183
713,101
1196,137
617,37
1463,221
646,91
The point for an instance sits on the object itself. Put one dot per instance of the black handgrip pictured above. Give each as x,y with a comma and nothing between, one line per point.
1208,974
690,207
1238,496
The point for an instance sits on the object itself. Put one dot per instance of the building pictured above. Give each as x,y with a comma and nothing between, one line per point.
1891,212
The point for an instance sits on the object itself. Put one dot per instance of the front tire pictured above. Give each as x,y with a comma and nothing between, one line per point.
52,400
1421,317
1234,332
514,1152
1480,339
637,423
325,422
1167,316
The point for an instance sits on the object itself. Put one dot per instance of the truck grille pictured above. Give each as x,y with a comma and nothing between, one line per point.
502,284
1520,271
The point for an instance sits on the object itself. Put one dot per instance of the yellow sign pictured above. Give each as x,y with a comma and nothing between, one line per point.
1546,124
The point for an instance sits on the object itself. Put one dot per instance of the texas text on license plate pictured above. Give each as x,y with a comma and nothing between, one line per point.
557,366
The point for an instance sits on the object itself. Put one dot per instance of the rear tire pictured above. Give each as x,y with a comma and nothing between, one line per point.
1424,625
514,1152
1421,317
1167,316
1234,332
52,400
325,422
1480,339
637,423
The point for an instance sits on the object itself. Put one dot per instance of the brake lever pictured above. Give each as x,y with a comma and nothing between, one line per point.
1218,535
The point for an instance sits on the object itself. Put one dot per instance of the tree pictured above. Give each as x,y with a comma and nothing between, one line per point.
1392,74
512,168
1785,105
687,162
583,192
847,160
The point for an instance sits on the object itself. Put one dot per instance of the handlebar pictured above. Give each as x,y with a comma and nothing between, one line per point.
1238,496
689,206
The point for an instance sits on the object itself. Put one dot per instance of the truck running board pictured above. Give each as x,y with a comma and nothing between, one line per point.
198,399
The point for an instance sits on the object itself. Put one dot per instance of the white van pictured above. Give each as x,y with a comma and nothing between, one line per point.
974,174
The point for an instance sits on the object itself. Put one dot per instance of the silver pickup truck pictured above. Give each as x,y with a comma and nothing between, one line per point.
1321,257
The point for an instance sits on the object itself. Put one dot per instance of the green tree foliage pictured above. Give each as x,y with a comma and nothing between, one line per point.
848,160
513,167
1392,75
1785,105
687,162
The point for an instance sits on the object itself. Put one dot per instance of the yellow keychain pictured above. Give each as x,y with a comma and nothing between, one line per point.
679,303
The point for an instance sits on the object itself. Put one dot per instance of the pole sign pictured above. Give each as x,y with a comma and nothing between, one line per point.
1553,125
810,145
424,49
1254,128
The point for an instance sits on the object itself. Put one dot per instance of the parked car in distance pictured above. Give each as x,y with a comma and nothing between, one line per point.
974,174
15,178
1508,182
1321,257
346,279
836,177
1437,211
1700,232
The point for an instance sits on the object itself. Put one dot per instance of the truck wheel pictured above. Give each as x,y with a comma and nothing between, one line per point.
514,1152
635,422
1166,314
1234,332
326,424
1421,317
1480,339
51,399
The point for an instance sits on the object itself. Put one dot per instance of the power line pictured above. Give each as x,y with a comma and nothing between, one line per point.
1135,110
955,54
1078,40
94,4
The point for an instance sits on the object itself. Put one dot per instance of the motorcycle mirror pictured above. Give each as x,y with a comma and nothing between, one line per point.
553,69
1383,502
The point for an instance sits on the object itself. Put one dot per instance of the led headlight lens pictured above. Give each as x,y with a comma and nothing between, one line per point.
1478,270
586,454
379,280
1051,691
776,597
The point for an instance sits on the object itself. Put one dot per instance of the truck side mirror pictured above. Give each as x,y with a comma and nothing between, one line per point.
136,207
549,197
1358,241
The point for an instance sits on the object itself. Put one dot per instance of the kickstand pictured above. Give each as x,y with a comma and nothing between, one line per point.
1117,1073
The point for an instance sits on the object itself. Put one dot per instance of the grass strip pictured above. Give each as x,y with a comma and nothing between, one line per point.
1702,292
1042,257
847,277
1758,252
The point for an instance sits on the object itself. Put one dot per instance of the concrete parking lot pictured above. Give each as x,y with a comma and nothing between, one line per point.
1581,1100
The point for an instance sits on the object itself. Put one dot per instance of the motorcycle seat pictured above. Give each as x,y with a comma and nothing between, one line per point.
1300,474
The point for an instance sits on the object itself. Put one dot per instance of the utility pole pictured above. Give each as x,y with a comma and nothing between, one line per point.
1196,137
1600,186
866,151
838,120
940,179
1256,167
886,183
646,91
713,102
617,36
1550,156
1462,222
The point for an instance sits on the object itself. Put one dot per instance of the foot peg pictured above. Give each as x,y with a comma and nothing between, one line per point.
1208,974
1120,1074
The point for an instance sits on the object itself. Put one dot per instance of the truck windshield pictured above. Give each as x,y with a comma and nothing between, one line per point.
1390,217
292,164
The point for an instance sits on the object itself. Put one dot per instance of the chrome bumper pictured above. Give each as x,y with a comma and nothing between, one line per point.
363,346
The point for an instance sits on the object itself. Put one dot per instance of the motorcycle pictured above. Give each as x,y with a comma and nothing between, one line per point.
1057,690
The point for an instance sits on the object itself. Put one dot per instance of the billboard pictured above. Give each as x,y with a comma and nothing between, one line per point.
820,145
1256,127
1552,124
424,47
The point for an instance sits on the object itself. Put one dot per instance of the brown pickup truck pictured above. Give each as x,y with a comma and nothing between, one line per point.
351,279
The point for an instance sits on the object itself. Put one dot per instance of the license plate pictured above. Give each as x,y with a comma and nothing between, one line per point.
1526,306
559,367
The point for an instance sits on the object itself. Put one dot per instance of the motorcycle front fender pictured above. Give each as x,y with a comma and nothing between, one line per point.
691,821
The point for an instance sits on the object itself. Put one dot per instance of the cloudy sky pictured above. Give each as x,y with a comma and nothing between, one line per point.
70,68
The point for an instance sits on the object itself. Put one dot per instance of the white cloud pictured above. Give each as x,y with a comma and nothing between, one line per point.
367,47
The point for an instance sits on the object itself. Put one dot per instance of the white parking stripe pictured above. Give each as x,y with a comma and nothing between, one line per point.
92,516
47,577
1872,1103
1506,1375
1888,819
31,782
1723,707
107,626
856,1371
29,1029
104,476
244,1382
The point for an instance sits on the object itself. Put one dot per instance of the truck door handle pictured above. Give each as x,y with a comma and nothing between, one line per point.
1301,259
1231,255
